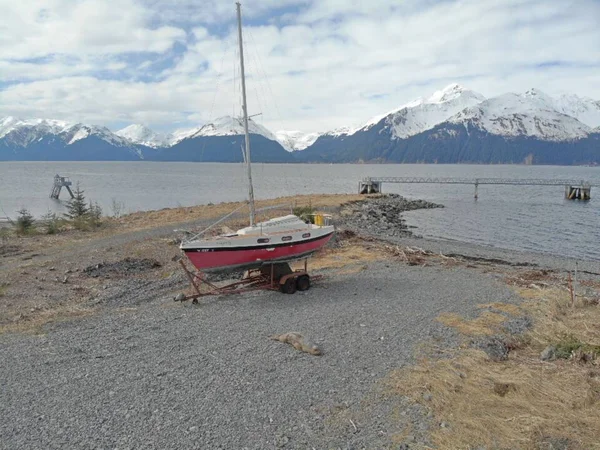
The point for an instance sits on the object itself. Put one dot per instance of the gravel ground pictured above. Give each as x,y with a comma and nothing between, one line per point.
167,375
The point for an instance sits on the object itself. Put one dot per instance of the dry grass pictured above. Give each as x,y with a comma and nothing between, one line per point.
510,405
522,403
555,318
486,324
35,322
167,216
353,252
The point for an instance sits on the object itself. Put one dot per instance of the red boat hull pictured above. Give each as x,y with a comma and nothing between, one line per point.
245,258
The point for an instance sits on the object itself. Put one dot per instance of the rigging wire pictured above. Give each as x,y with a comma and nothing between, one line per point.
212,106
263,75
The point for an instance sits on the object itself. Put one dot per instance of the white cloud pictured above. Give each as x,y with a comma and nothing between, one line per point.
329,62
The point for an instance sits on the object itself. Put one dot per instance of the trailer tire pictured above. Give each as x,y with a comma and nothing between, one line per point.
289,287
303,283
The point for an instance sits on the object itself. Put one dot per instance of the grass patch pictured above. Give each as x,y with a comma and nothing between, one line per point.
487,324
34,323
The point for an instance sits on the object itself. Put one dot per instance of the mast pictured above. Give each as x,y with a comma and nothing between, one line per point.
245,110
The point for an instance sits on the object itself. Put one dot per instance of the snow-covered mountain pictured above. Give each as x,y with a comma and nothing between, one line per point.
81,131
531,114
294,141
420,114
459,125
583,109
452,125
231,126
423,114
20,132
140,134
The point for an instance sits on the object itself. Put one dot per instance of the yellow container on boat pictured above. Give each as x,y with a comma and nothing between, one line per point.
319,220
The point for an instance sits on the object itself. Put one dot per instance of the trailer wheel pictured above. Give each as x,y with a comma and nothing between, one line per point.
289,287
303,283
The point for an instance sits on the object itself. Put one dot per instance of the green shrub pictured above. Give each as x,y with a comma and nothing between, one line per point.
570,344
51,222
304,212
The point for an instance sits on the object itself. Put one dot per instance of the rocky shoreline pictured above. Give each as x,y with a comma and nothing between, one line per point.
382,215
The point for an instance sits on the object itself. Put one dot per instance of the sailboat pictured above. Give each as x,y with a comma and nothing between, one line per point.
278,240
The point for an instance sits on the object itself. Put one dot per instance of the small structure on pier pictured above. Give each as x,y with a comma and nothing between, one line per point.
582,192
368,186
59,183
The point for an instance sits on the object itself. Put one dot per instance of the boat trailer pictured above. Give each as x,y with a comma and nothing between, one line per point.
277,276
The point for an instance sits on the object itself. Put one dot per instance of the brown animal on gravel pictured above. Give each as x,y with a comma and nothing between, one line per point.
298,342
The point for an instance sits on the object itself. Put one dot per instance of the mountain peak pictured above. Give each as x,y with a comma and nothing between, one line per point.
141,134
420,115
296,140
231,126
449,93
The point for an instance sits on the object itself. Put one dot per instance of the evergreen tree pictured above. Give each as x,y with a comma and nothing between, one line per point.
77,208
24,221
51,222
95,213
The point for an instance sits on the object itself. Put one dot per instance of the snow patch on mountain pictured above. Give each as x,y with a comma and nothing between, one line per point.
531,114
342,131
296,140
140,134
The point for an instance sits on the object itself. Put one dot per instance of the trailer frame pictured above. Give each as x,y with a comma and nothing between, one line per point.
266,277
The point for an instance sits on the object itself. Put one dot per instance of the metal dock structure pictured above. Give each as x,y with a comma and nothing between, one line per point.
574,189
59,183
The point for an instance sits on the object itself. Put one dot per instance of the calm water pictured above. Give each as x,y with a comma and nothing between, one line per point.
515,217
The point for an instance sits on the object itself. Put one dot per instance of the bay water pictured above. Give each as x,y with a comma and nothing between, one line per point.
531,218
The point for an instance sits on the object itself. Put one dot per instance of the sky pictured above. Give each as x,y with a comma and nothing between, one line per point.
312,65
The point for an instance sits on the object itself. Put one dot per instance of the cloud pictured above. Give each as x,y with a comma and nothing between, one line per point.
311,65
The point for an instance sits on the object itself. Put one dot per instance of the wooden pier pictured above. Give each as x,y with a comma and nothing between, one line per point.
59,183
574,189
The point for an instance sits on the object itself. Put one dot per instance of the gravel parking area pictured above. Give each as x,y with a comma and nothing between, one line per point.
166,375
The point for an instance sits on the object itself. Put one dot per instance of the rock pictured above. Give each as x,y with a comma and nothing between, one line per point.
51,269
179,297
444,425
427,396
549,353
281,441
65,279
193,429
68,271
495,347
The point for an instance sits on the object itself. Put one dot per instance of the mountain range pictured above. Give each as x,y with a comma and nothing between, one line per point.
453,125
